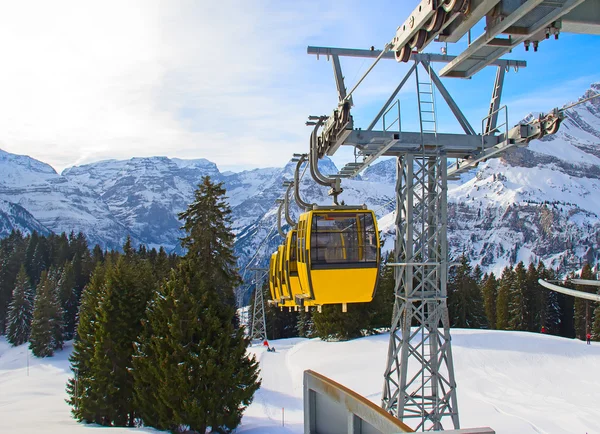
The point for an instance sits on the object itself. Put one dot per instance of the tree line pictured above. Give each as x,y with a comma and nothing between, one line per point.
512,301
157,340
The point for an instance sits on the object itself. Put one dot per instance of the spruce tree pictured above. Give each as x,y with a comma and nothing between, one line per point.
12,256
490,294
20,311
331,324
46,326
502,302
191,368
69,299
550,314
465,303
305,325
382,306
596,325
518,305
567,303
80,387
535,303
210,241
583,308
128,286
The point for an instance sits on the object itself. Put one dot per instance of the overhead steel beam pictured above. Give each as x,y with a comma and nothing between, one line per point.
584,19
429,57
454,145
462,24
527,21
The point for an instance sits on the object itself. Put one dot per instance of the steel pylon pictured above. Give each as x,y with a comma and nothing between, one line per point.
419,381
259,326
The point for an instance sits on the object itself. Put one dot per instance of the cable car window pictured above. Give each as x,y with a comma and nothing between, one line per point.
293,252
343,238
302,238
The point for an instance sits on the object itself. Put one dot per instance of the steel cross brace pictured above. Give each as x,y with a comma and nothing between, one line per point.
428,396
386,143
259,324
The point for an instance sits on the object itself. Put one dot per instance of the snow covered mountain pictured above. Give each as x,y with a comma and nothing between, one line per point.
15,217
536,202
56,202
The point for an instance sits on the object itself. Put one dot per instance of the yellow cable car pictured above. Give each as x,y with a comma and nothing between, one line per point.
338,255
272,280
300,296
285,296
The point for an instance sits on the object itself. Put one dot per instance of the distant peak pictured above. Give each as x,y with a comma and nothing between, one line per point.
25,161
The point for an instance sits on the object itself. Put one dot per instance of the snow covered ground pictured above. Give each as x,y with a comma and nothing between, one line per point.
514,382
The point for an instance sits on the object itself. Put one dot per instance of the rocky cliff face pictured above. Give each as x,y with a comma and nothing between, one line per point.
539,202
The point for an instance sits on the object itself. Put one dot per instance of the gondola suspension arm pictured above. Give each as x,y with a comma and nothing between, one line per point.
279,209
299,201
333,183
286,206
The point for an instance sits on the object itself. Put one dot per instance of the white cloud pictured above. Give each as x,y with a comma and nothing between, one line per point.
229,81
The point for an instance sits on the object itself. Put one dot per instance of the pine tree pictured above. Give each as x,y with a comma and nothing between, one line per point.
20,311
490,294
128,286
535,305
46,326
209,239
596,325
584,308
550,314
331,324
80,387
465,303
191,367
518,305
382,306
69,300
502,302
567,303
305,325
12,256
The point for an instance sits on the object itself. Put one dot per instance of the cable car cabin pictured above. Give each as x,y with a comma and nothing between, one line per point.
338,255
272,280
300,296
285,296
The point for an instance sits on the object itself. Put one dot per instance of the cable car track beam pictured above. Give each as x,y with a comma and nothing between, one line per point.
571,292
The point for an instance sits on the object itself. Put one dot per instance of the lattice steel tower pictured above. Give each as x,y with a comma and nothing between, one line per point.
259,326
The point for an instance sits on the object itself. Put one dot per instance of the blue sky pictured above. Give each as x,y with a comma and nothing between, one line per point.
229,81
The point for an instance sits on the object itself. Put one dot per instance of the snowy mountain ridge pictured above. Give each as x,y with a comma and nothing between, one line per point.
538,202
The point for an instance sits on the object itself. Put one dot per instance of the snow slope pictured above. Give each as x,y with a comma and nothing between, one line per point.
33,401
514,382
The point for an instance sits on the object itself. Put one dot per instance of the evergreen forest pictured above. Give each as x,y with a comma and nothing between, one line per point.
145,323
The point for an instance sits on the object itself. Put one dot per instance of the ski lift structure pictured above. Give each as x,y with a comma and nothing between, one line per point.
335,267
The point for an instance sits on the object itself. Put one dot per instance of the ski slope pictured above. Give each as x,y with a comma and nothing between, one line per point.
514,382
